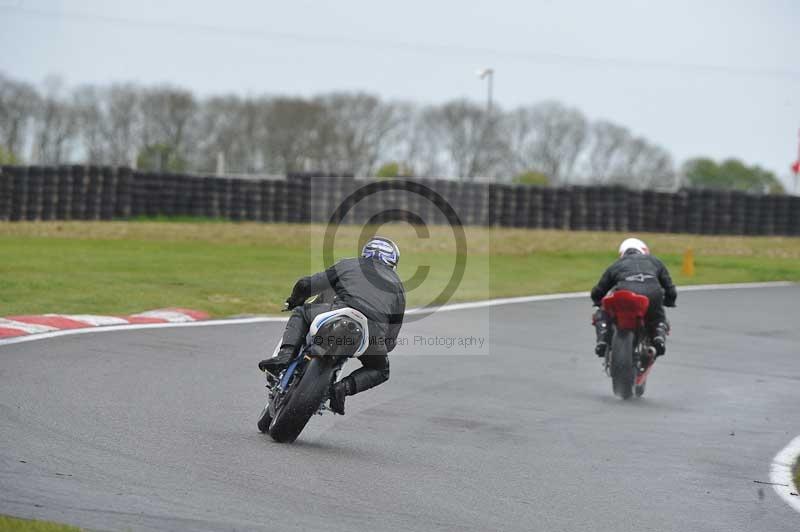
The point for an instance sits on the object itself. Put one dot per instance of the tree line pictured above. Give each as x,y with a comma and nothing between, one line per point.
170,128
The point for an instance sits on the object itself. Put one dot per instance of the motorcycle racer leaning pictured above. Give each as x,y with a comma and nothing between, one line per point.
637,271
368,284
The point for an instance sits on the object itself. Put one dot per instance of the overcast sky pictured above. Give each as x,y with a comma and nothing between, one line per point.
718,78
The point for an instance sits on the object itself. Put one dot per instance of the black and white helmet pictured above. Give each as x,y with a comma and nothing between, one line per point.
382,249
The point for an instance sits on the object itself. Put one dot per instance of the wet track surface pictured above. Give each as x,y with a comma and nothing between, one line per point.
155,429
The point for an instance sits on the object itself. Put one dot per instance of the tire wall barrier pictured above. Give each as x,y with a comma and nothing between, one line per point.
73,192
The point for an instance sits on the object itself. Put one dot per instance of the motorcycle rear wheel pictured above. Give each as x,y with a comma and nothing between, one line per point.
623,371
303,400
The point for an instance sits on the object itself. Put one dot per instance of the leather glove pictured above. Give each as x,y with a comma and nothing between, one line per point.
292,303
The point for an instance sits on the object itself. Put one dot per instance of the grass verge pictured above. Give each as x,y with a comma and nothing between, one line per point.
237,268
12,524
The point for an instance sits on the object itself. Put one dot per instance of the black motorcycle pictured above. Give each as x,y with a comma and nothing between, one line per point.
303,389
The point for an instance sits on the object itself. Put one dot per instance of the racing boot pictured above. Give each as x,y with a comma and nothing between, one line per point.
600,322
280,361
339,391
660,338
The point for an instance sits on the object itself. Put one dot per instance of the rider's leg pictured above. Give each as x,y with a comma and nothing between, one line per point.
657,324
374,370
600,320
659,335
293,337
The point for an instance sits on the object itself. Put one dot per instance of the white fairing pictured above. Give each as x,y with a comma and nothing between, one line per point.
322,318
348,312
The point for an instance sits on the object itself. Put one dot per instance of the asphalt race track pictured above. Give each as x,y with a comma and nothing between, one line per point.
155,429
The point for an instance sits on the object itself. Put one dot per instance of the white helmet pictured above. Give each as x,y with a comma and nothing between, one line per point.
633,243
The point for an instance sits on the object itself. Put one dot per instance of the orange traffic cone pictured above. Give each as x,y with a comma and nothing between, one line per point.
688,263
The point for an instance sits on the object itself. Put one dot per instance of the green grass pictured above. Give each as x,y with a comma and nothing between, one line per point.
797,474
238,268
12,524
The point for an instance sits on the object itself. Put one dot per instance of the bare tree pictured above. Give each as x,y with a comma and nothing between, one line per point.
56,126
166,117
108,123
253,134
361,124
297,133
233,127
548,138
218,132
122,123
337,132
469,141
90,124
607,147
18,102
616,156
407,143
646,166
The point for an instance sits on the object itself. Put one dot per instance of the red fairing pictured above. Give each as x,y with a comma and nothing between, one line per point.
627,308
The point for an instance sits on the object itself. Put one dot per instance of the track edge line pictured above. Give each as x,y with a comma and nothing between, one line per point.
781,474
444,308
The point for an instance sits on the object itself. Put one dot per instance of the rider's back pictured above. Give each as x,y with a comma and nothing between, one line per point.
368,287
374,290
636,272
636,267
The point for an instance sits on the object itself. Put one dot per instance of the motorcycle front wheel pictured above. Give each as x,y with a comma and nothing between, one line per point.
303,400
264,419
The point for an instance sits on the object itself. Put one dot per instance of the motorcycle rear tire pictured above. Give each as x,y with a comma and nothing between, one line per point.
623,372
304,400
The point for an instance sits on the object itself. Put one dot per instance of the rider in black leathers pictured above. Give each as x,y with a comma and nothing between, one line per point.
637,271
368,284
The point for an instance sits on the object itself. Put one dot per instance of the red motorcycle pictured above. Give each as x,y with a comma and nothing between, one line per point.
630,357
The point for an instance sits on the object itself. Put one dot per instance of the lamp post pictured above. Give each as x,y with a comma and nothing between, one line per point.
488,74
796,169
485,73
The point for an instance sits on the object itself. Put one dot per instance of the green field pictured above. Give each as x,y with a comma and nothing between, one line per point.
249,268
797,473
12,524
